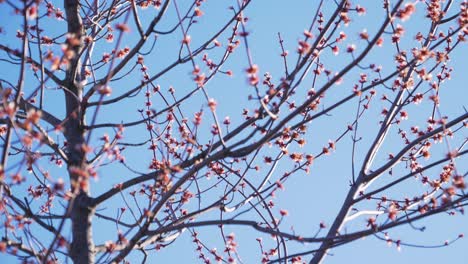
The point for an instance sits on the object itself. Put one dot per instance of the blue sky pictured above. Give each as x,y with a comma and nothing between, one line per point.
309,198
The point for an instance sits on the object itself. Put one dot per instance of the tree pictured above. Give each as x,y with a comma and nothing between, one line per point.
116,139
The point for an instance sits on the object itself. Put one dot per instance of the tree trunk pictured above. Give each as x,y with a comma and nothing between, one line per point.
81,213
82,246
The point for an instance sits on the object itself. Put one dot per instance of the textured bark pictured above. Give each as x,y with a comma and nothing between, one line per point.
82,247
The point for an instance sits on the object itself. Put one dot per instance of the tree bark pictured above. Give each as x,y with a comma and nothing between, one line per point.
81,212
82,246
